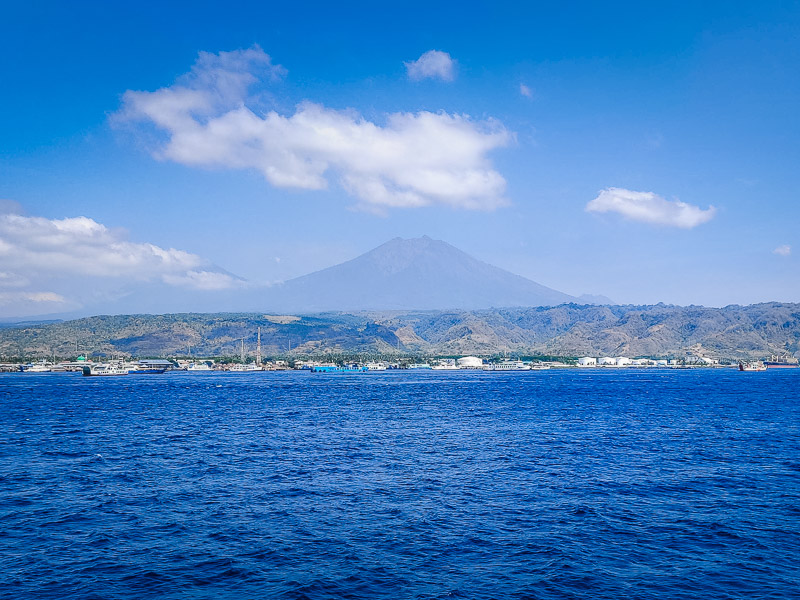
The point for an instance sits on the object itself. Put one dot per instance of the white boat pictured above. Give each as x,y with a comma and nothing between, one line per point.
201,366
419,366
753,365
446,364
508,365
245,368
105,370
40,367
375,366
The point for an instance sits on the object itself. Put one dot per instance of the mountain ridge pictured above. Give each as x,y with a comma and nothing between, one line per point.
752,331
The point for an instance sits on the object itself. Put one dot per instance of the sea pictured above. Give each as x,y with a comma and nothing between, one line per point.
580,483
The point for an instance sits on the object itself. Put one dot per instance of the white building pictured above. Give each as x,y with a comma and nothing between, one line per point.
700,360
622,361
587,361
607,361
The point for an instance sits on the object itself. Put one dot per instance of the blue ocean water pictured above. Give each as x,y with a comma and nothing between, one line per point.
552,484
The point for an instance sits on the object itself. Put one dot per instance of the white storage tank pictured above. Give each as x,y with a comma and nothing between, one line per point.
469,362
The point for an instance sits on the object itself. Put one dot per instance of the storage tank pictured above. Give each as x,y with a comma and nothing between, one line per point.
469,362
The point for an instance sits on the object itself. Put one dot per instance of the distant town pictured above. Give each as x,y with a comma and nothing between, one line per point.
243,364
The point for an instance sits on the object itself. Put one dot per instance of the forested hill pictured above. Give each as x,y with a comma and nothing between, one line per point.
568,330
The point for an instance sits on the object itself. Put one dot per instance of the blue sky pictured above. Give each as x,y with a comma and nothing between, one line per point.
556,141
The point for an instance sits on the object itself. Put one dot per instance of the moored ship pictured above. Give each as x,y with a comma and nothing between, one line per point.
199,366
105,370
752,365
140,370
245,368
507,365
40,367
782,362
337,369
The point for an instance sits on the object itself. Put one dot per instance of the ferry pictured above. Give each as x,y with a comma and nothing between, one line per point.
40,367
140,370
753,365
446,364
335,369
508,365
782,362
376,366
419,366
105,370
201,366
245,368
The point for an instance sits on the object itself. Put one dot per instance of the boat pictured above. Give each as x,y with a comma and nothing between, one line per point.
137,370
507,365
419,366
336,369
782,362
40,367
445,364
201,366
105,370
752,365
376,366
245,368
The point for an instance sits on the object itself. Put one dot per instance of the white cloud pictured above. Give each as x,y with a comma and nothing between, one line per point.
203,280
648,207
433,64
783,250
34,248
414,159
16,298
525,90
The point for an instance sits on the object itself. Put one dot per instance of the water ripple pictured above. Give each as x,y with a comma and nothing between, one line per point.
578,484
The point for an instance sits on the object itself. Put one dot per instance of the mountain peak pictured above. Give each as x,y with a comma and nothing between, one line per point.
413,273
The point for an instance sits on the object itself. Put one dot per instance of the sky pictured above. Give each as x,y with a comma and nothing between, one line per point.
647,152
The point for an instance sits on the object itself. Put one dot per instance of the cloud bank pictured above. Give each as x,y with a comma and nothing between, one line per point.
647,207
413,159
783,250
433,64
37,253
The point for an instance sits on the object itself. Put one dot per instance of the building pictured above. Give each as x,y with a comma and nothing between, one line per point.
587,361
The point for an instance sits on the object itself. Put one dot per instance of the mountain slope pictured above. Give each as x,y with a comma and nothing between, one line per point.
569,330
419,273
